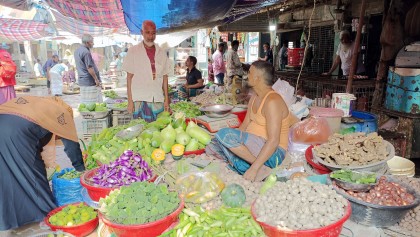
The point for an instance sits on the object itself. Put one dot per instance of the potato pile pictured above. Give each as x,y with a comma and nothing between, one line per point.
384,194
411,221
355,149
300,204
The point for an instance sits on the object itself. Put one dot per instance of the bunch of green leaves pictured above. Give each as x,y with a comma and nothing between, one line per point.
121,105
139,203
354,177
190,109
111,94
73,174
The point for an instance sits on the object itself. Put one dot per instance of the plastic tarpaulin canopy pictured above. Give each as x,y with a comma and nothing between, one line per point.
101,13
171,15
18,4
21,30
78,27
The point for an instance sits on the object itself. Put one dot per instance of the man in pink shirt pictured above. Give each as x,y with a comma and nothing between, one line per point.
219,68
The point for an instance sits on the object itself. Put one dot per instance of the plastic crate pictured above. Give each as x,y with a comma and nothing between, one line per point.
295,56
121,118
94,126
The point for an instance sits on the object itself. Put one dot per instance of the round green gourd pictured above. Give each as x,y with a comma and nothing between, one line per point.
233,195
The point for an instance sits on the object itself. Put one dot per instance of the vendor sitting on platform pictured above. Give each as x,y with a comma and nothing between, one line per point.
194,79
260,143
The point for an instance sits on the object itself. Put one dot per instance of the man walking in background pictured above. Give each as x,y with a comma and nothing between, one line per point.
219,68
233,64
147,66
47,67
88,73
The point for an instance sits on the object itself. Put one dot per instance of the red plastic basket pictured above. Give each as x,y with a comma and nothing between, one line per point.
320,169
76,230
96,192
196,152
332,230
151,229
241,115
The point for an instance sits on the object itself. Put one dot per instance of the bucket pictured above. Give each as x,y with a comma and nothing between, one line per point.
343,101
333,116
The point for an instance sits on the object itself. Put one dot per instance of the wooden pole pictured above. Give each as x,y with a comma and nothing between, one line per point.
353,66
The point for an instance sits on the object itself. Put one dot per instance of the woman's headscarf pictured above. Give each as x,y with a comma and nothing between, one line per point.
51,113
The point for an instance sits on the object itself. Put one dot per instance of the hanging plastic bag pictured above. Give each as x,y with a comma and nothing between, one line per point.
312,131
66,191
199,187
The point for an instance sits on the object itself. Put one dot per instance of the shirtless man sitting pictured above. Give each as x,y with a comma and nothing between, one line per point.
260,143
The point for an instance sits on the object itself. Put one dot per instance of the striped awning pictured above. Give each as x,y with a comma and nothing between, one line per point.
21,30
77,27
100,13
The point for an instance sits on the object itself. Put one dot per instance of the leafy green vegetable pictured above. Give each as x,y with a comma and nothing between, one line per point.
354,177
190,110
73,174
111,94
139,203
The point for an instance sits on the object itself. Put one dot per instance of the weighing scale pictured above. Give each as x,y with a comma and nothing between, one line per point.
215,124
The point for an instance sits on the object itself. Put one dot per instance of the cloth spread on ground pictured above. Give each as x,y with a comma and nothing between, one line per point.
57,119
147,110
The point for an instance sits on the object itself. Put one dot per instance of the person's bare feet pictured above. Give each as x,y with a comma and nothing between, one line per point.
263,172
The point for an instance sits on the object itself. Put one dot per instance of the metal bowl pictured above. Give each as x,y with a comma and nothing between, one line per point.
130,132
217,110
354,186
372,167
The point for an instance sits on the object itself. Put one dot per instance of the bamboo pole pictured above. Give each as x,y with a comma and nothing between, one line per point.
353,66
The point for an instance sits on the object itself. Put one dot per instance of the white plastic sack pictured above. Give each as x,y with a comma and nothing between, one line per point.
299,109
284,89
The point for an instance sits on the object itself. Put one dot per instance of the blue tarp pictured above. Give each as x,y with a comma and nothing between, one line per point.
170,15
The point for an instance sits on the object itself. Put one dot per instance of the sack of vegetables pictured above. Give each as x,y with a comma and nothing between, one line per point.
66,187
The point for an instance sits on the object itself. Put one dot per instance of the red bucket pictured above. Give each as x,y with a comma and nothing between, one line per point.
96,192
150,229
320,169
332,230
77,230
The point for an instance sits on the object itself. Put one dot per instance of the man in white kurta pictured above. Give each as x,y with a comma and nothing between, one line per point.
147,67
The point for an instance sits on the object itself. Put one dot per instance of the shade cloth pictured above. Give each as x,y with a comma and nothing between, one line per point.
174,15
21,30
78,27
101,13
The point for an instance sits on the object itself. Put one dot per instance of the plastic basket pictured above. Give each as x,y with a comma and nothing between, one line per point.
96,192
150,229
50,233
370,214
81,230
94,115
94,126
295,56
196,152
121,118
332,230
